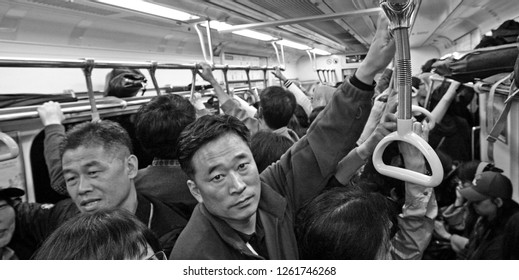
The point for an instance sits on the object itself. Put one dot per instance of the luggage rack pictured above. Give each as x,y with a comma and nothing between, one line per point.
82,109
88,65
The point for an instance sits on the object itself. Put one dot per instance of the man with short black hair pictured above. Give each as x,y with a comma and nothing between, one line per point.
158,124
246,215
277,106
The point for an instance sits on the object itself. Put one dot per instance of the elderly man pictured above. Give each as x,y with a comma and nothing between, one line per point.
246,215
99,171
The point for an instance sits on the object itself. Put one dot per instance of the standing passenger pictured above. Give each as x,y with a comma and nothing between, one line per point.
158,125
99,171
246,215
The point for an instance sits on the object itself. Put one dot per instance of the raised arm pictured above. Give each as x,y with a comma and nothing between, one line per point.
300,96
52,117
228,105
443,105
305,169
358,156
416,220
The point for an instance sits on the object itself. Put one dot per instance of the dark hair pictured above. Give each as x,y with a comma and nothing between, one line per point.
344,224
277,106
109,234
301,116
158,124
466,171
315,113
267,147
108,134
204,130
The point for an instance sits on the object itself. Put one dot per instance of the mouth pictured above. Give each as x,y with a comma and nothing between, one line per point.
89,204
244,202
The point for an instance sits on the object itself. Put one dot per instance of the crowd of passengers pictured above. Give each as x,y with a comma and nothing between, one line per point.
289,177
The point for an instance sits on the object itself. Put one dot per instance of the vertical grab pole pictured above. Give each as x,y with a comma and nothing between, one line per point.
247,72
87,70
224,70
277,56
209,41
265,83
152,70
314,64
193,81
399,13
202,44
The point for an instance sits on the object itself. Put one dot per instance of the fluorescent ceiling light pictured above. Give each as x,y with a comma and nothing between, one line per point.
293,45
320,52
150,8
218,25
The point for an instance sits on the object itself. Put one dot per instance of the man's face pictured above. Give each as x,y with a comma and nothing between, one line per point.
7,223
100,179
226,179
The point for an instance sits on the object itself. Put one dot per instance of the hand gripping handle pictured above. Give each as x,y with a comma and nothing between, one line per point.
406,134
430,117
11,145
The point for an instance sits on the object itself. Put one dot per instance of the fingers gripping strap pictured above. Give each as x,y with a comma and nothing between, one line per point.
402,173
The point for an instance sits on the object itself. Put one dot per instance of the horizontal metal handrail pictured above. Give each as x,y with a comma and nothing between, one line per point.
81,63
31,112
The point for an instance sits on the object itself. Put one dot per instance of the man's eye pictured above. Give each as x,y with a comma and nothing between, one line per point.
70,180
242,166
217,178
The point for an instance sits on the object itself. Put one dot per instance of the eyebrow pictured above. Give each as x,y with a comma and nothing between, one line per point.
87,165
237,157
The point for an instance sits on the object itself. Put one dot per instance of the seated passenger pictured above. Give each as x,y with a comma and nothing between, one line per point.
246,215
7,221
460,217
108,234
491,197
99,170
277,106
158,124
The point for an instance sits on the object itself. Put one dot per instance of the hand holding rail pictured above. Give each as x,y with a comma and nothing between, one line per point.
399,13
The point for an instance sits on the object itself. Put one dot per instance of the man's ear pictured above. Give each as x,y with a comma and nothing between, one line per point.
498,201
133,166
193,188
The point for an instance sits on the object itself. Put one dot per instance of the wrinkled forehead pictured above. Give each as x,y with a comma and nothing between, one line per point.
112,150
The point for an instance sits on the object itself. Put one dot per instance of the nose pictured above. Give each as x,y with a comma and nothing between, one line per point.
84,185
237,184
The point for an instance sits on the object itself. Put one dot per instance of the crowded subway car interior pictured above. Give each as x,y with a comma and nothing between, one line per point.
259,129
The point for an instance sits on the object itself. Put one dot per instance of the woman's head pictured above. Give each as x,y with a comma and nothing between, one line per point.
112,234
345,224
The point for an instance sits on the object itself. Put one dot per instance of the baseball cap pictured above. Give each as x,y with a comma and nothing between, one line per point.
10,193
488,184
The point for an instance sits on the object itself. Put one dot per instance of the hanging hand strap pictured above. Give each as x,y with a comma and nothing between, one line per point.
12,147
399,14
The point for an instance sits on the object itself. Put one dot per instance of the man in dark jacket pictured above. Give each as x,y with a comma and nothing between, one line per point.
99,170
246,215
